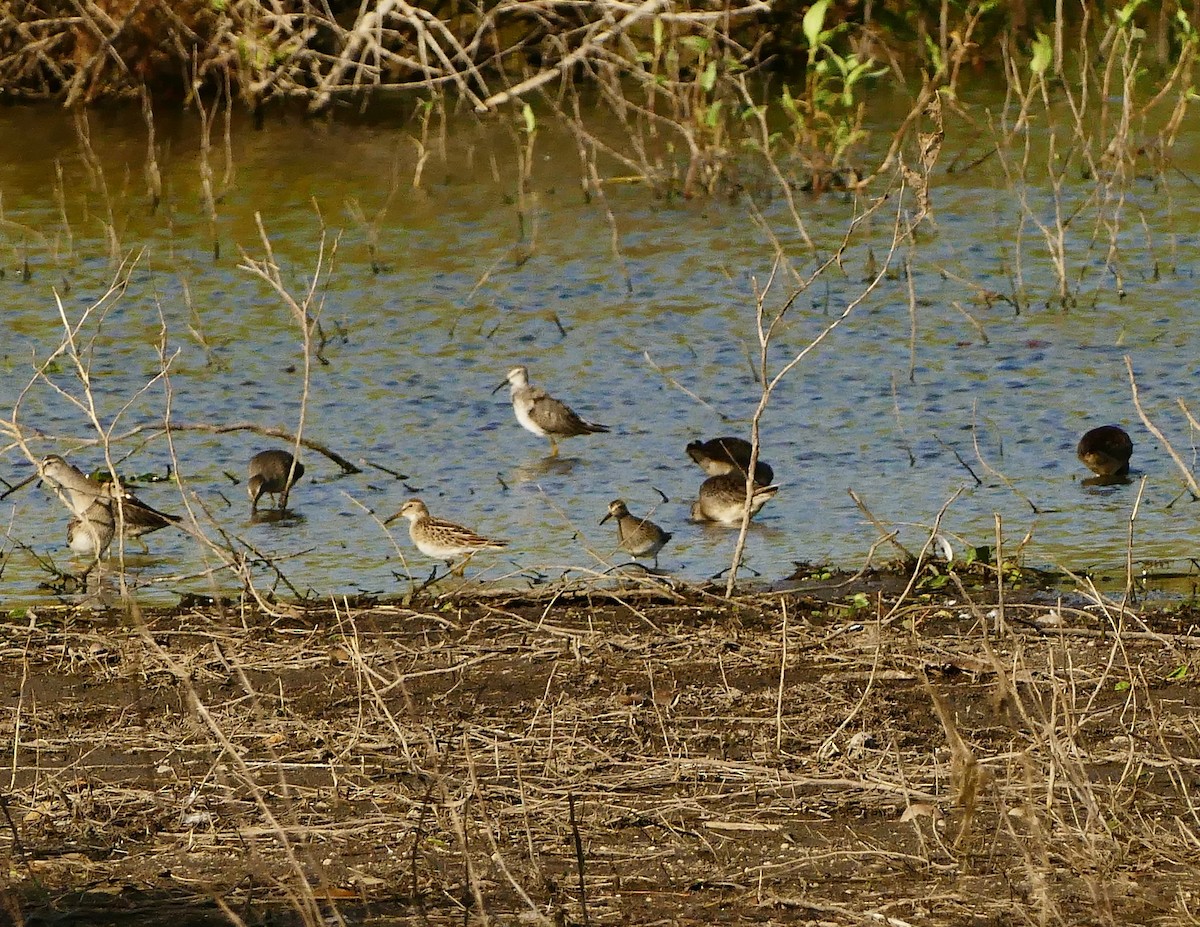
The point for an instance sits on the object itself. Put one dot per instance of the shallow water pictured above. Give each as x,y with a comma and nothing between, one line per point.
465,285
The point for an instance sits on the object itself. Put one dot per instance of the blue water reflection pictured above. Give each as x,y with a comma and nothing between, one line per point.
420,327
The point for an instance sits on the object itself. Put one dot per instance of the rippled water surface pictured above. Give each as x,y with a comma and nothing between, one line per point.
428,294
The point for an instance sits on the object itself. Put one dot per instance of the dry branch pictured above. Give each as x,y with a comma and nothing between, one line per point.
569,61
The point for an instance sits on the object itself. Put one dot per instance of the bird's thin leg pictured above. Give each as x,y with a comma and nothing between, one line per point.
91,566
460,570
553,448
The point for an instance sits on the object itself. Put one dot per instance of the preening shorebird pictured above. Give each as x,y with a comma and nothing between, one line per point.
723,498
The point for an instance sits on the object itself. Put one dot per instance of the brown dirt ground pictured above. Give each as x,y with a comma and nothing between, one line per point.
781,758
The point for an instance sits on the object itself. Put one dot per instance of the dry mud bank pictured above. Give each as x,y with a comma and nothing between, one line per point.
646,756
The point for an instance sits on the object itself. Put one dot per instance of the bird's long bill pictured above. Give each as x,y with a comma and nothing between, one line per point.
606,518
391,518
503,383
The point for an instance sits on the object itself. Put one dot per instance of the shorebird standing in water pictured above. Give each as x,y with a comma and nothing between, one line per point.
80,493
1106,451
442,540
74,488
639,537
92,532
723,499
719,456
273,473
542,414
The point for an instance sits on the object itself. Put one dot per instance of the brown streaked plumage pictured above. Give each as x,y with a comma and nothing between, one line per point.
722,499
135,516
639,537
441,540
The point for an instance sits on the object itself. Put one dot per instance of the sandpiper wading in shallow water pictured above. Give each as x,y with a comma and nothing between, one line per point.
639,537
542,414
92,532
80,493
722,498
1106,451
273,473
442,540
719,456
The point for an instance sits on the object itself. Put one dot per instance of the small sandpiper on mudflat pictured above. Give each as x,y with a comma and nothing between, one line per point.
1106,451
442,540
719,456
722,499
639,537
542,414
79,492
273,473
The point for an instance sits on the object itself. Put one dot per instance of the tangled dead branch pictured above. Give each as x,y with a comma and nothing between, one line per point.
85,50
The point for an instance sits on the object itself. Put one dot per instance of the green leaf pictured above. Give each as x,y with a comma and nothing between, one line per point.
788,102
708,79
1043,51
530,119
1180,672
814,19
712,115
1126,12
1184,25
1123,686
659,30
934,53
696,43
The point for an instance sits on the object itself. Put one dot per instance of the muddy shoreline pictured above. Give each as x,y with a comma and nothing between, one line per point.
772,758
